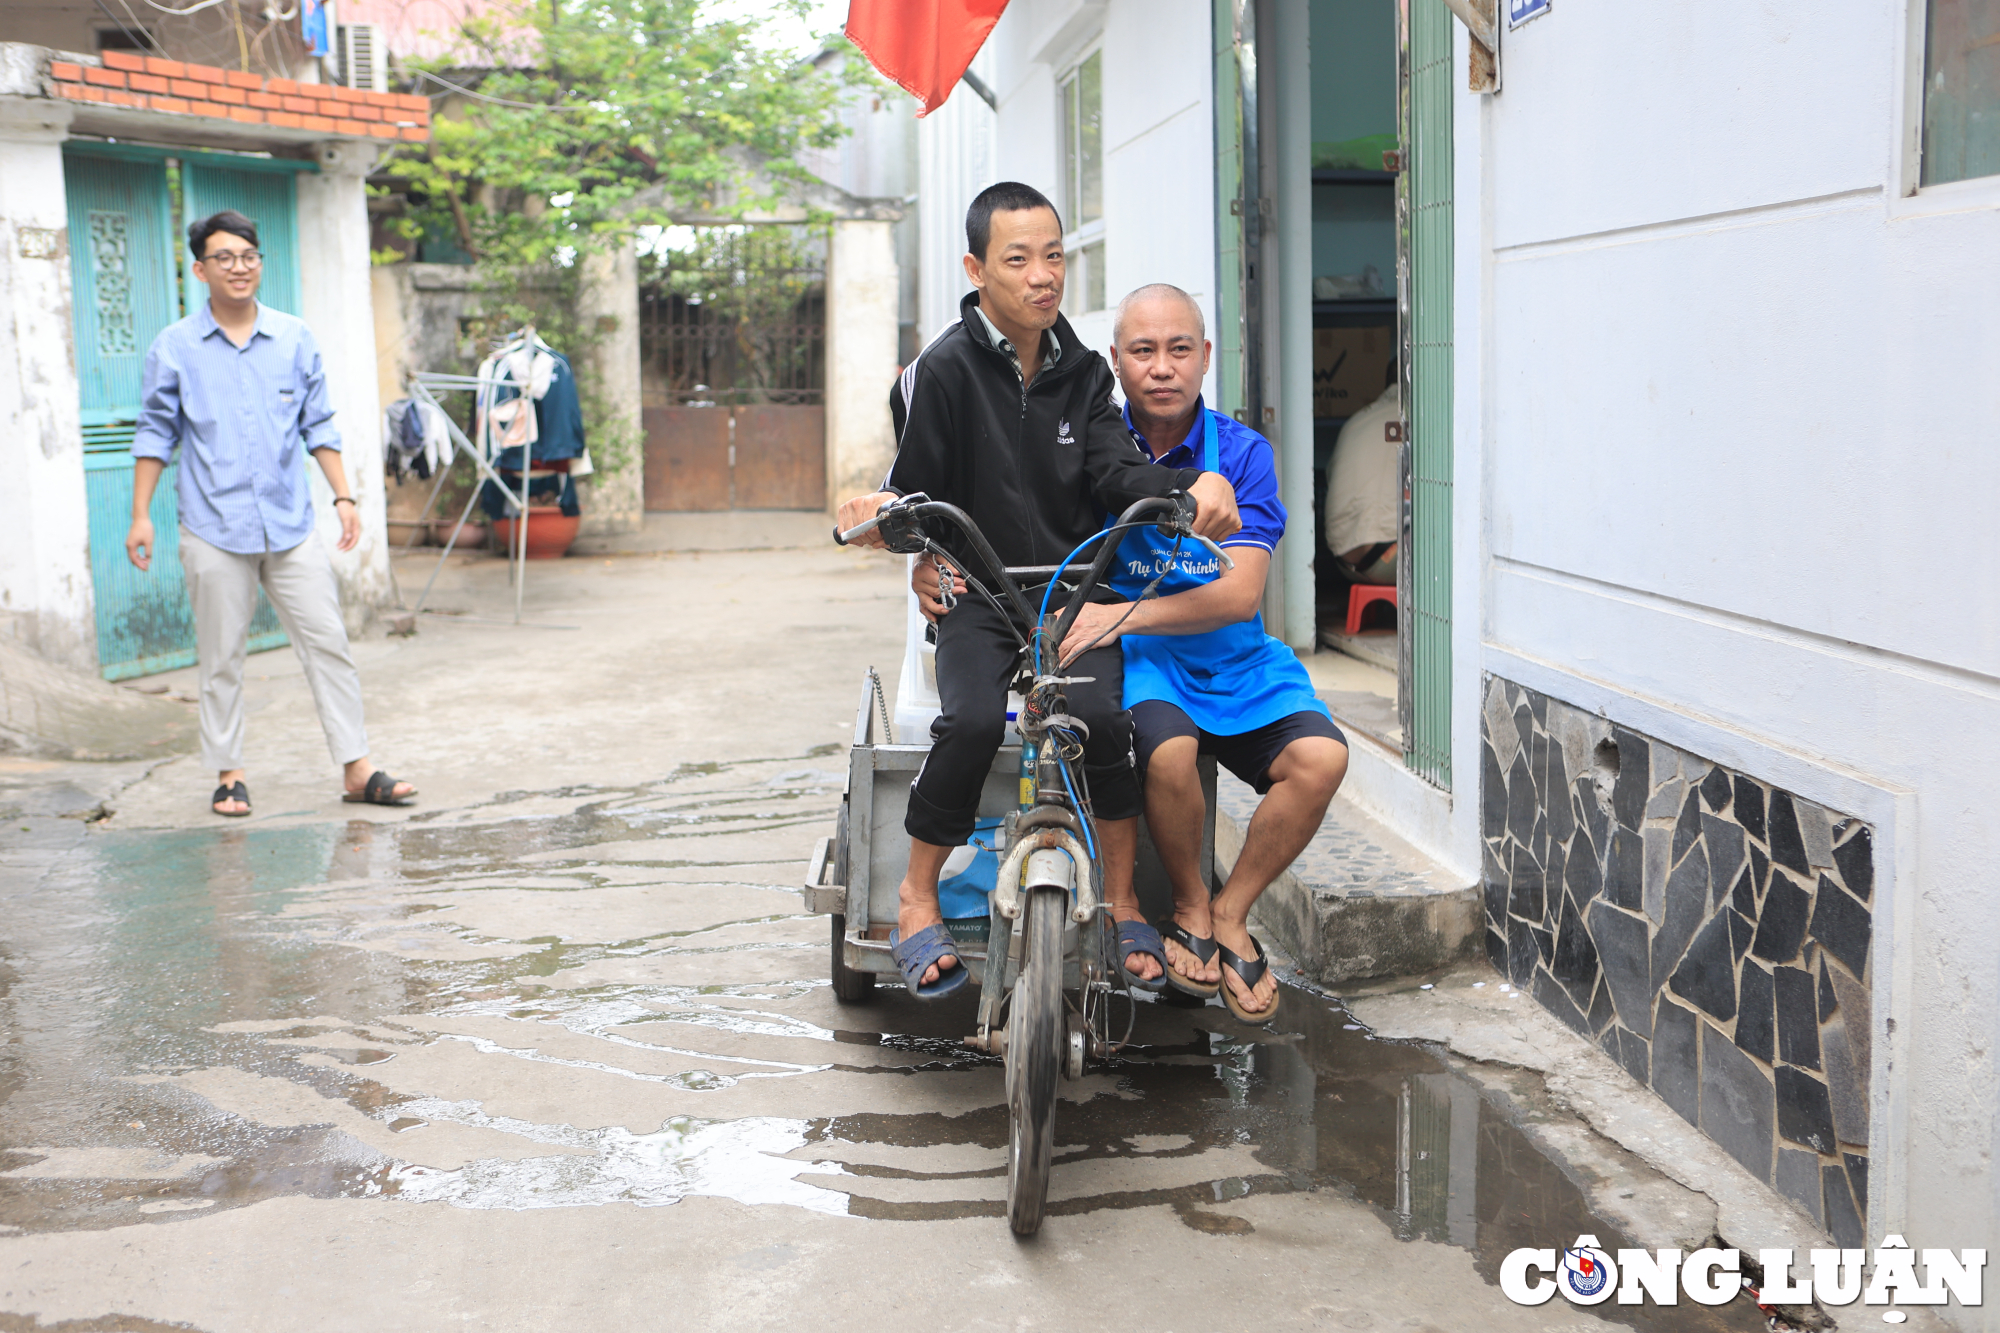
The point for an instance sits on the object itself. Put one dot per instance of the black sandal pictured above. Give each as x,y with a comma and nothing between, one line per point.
1250,971
381,790
235,791
1203,949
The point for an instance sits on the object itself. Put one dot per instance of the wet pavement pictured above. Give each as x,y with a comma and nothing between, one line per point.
570,1055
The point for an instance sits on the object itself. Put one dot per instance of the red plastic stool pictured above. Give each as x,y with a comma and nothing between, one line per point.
1360,595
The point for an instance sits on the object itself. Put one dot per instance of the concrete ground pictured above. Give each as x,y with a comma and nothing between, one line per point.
554,1048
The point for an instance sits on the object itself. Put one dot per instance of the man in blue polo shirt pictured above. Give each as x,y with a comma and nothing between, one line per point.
1201,676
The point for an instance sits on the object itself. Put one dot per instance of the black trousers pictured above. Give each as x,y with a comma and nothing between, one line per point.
975,664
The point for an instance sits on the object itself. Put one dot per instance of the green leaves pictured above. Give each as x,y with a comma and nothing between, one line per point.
579,107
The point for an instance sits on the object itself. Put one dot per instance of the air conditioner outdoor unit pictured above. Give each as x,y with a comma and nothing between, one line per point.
363,57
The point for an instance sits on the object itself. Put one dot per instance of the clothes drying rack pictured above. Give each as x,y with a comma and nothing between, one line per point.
425,386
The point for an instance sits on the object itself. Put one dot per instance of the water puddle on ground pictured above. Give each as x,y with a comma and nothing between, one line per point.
362,1011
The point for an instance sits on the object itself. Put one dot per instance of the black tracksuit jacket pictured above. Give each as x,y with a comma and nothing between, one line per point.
1036,468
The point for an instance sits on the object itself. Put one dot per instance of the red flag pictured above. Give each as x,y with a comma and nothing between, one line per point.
922,45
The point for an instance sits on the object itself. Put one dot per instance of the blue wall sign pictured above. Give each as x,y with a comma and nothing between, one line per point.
1520,11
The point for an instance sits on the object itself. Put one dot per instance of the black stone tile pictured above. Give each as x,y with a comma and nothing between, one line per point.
1521,952
1558,865
1625,870
1607,1041
1798,1018
1524,726
1556,1000
1524,897
1788,846
1741,932
1590,812
1706,976
1538,765
1581,874
1686,907
1602,1014
1855,859
1846,1083
1843,1219
1492,793
1828,1001
1496,951
1797,1178
1736,1103
1633,1054
1561,812
1716,790
1781,926
1805,1114
1628,794
1842,926
1725,854
1676,1060
1575,961
1622,953
1493,885
1521,801
1753,1012
1750,806
1744,896
1688,827
1545,943
1760,870
1857,1178
1538,839
1538,704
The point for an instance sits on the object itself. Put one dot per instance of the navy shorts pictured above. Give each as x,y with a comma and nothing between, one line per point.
1249,756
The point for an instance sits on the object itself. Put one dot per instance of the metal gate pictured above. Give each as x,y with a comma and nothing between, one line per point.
733,339
1424,236
125,287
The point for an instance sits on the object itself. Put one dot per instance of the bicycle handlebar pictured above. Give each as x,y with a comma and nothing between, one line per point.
901,517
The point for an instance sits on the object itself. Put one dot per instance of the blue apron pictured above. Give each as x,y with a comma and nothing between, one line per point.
1230,680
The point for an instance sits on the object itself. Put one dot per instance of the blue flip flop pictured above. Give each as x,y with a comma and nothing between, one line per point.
1140,937
915,956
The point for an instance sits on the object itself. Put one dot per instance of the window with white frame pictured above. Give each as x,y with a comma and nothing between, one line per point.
1083,183
1961,90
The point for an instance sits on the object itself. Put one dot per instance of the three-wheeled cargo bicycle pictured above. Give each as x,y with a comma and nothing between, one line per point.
1043,956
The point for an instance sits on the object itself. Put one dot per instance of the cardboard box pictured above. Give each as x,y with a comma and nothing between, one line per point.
1350,367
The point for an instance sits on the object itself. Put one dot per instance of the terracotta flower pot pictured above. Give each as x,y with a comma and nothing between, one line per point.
550,533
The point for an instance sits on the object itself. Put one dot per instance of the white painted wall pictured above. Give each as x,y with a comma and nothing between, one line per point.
1730,405
45,591
334,301
954,163
861,357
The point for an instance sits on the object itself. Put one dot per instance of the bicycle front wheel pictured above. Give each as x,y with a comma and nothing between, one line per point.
1035,1035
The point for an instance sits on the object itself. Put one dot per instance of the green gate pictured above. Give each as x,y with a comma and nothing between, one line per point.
1424,224
124,279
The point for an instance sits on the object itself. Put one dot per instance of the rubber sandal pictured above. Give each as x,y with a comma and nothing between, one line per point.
235,791
1140,937
1201,948
1250,971
915,955
381,790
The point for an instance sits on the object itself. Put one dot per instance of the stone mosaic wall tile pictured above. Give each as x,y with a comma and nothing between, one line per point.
1709,931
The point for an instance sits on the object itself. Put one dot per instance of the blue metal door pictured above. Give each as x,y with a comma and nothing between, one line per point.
123,266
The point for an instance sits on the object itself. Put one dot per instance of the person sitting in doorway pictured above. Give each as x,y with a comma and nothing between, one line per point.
1008,416
238,389
1363,487
1201,676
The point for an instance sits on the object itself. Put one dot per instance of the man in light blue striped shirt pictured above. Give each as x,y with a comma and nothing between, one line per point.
238,389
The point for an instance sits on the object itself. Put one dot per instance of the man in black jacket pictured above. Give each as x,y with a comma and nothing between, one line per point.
1007,415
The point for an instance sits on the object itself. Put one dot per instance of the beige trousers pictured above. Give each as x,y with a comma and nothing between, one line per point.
300,583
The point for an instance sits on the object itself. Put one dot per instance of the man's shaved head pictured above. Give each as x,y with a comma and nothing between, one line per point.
1157,291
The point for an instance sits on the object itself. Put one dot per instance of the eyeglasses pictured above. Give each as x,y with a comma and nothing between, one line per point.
231,260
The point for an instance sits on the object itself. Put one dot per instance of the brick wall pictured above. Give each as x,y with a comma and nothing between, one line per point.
147,83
